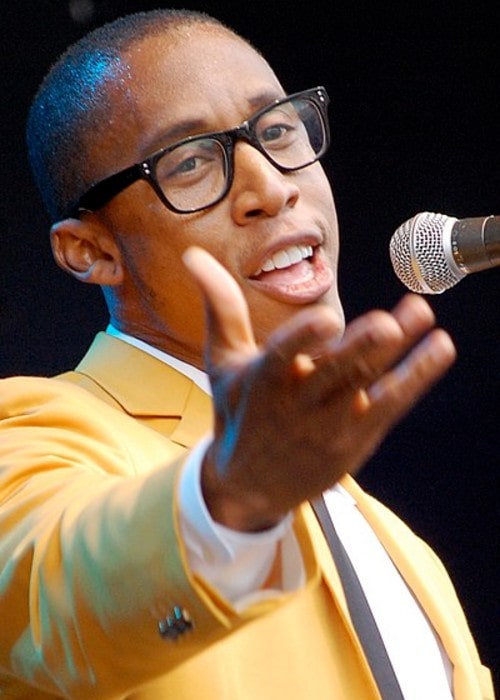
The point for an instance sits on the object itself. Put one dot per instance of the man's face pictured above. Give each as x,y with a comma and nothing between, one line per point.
203,82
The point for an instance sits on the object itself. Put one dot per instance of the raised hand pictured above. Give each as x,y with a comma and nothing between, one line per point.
295,415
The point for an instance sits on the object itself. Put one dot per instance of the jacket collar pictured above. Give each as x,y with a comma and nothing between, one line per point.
147,388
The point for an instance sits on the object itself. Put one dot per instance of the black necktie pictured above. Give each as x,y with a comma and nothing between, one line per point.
361,614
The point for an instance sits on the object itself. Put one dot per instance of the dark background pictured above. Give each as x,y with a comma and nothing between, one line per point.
415,119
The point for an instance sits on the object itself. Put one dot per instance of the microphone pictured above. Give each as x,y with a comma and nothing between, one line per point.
432,252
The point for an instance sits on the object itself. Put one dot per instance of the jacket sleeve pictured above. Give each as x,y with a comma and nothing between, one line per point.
90,554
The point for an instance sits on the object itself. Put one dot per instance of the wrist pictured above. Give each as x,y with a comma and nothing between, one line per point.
232,505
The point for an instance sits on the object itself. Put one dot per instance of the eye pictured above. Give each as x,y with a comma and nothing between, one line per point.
274,132
187,165
278,127
190,160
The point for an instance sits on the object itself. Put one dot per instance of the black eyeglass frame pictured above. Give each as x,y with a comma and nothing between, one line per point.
103,191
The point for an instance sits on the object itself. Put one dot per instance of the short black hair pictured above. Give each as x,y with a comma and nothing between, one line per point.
73,102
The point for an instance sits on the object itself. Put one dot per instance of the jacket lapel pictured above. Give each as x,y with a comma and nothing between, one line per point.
425,576
146,388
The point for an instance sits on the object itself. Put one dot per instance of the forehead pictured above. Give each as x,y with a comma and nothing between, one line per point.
202,78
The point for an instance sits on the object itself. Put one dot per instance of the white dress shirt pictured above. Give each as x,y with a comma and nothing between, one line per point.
238,563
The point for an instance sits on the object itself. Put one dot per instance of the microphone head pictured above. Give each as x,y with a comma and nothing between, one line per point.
420,252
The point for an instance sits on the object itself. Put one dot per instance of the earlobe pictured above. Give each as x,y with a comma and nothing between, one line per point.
86,252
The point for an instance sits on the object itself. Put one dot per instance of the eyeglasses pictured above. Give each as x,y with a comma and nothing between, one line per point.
197,172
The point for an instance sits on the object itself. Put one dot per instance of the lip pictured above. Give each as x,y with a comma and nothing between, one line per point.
301,283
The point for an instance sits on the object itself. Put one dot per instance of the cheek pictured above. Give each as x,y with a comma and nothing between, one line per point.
320,190
319,196
212,230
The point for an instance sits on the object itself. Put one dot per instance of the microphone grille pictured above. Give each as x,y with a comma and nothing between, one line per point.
418,254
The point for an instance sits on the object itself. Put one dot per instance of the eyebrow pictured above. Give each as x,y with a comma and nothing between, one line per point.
193,127
178,131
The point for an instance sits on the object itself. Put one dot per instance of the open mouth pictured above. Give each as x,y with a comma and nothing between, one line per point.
295,274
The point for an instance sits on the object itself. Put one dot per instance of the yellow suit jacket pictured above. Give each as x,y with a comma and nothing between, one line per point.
91,558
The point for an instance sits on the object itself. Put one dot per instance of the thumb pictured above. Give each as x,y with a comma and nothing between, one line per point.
228,333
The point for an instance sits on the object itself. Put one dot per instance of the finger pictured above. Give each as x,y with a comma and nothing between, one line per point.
302,337
414,315
373,343
398,390
228,321
370,345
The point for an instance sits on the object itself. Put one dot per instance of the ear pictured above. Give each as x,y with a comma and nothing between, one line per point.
87,251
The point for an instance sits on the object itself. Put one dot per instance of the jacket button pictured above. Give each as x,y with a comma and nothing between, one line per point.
175,624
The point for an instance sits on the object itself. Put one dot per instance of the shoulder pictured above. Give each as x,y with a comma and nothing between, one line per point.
43,416
32,396
47,401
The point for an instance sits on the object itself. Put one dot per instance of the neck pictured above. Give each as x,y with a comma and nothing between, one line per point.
164,343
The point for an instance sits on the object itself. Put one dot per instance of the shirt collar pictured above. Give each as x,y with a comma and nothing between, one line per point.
199,377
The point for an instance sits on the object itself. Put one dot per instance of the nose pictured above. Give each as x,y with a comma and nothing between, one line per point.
259,189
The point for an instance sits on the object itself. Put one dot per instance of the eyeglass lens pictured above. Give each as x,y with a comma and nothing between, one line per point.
195,174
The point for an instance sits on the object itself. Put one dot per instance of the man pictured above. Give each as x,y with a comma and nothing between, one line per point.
148,552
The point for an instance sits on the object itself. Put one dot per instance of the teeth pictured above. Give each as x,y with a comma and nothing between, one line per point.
286,258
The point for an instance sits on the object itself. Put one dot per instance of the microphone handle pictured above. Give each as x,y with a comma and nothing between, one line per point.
475,243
